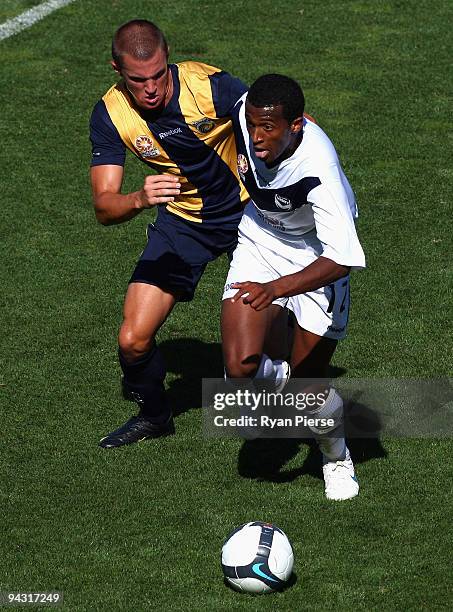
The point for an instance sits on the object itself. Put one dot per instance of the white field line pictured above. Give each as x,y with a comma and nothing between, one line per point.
28,18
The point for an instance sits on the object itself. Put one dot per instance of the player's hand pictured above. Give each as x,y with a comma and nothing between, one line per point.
258,295
159,189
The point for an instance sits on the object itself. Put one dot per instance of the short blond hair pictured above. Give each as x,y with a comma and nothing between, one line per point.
139,38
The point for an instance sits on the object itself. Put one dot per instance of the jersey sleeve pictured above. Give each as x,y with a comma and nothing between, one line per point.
335,225
106,145
226,91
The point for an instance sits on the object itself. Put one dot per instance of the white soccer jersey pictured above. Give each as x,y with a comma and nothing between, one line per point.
305,198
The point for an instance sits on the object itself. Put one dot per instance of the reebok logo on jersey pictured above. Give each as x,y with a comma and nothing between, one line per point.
170,132
283,203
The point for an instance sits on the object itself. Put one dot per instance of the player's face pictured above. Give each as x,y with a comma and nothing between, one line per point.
273,138
148,81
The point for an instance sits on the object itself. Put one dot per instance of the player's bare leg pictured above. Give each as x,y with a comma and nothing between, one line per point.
311,354
146,307
310,359
244,333
278,340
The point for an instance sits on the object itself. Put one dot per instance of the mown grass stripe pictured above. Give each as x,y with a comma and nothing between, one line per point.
30,17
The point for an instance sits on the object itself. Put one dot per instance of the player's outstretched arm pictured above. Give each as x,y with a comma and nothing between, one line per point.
318,274
112,207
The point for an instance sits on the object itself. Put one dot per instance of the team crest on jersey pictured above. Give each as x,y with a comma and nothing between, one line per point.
204,125
243,165
145,146
283,203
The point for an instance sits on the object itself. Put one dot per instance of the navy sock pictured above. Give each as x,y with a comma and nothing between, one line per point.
144,381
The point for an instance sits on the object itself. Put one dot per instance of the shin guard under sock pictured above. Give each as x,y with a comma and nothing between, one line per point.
330,438
144,382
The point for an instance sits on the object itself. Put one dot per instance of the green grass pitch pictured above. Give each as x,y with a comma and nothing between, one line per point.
141,528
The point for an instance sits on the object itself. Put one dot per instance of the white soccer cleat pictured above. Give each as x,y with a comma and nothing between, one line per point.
340,479
283,374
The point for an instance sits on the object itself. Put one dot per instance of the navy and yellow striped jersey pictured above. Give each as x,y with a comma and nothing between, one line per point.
192,138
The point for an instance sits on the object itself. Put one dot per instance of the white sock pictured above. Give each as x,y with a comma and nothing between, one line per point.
269,370
330,439
266,368
280,370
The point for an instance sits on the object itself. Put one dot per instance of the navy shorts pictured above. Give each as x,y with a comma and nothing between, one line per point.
178,252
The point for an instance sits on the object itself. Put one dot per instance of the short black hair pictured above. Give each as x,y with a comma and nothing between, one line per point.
274,89
139,38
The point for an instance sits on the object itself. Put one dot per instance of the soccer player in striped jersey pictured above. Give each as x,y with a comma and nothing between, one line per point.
176,119
297,245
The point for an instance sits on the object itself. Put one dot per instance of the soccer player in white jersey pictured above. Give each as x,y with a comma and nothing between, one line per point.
297,245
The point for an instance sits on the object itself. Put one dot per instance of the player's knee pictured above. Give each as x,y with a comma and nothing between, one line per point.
240,368
132,345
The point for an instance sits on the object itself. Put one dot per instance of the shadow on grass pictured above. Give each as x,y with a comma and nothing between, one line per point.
287,585
265,458
191,360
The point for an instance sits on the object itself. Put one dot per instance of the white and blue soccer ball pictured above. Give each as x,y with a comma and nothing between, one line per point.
257,558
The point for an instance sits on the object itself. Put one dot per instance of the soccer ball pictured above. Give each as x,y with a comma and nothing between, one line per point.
257,558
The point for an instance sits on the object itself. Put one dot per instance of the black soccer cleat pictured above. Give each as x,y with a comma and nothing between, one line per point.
136,429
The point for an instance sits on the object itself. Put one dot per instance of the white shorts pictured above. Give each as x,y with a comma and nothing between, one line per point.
323,312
